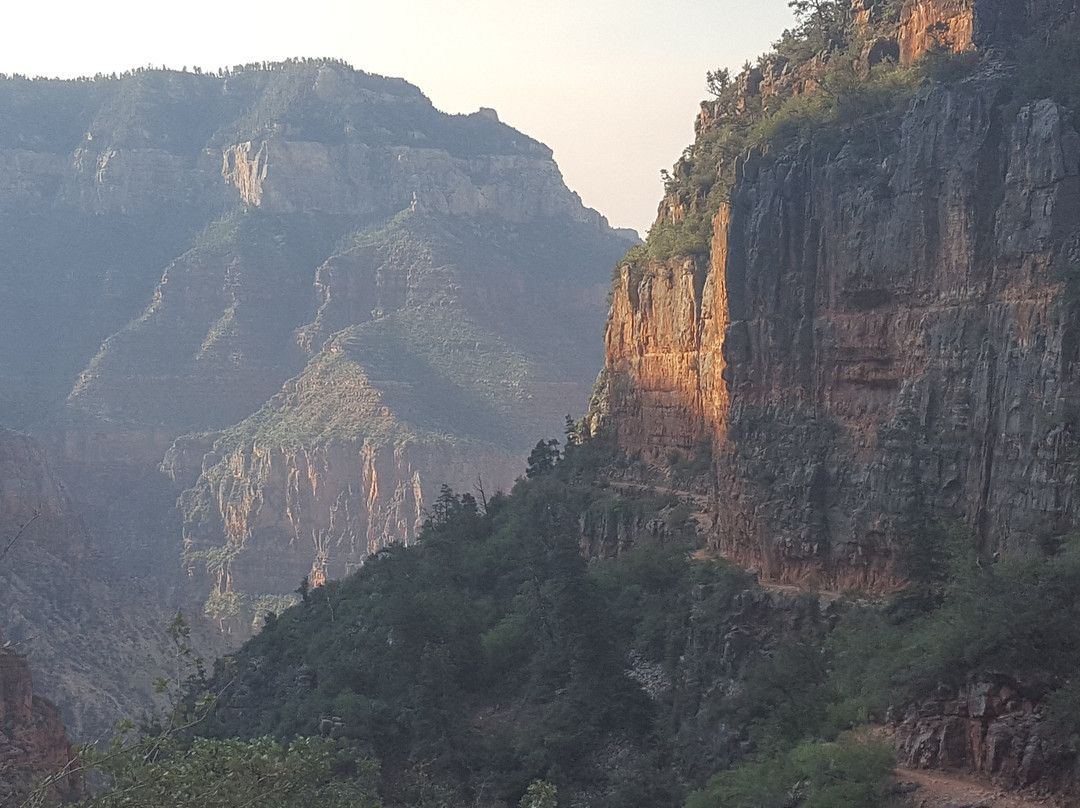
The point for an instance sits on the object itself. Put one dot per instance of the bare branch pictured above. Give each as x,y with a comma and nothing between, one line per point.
479,487
22,530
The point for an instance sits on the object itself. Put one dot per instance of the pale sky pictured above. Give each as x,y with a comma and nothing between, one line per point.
612,86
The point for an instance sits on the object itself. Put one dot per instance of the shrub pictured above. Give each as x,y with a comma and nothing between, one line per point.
850,773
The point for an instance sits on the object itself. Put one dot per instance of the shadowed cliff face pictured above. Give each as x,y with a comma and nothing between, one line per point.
94,638
34,743
898,335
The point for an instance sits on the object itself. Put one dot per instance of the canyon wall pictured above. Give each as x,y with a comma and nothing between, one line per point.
994,727
898,336
188,257
342,501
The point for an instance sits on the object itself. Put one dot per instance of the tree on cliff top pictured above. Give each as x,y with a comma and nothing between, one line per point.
822,24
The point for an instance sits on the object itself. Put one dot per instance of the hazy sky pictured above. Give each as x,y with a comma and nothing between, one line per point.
612,86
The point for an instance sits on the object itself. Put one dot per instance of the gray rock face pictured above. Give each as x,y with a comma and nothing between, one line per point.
993,728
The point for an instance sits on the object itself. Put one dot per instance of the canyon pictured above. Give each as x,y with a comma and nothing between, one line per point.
252,322
849,339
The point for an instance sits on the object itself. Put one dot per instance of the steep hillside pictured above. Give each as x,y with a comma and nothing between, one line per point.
490,660
190,255
859,293
491,655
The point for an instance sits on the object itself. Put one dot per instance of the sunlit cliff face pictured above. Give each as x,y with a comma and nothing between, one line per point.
879,332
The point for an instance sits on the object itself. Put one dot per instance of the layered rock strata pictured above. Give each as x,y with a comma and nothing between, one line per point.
343,501
207,240
896,335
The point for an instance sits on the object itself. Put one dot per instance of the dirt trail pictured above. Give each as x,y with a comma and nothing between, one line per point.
939,789
791,589
701,515
699,503
929,789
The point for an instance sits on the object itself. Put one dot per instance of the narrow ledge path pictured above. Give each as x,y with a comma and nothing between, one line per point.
943,789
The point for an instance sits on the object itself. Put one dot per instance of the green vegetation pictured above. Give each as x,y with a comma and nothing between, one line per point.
1016,618
492,656
495,618
818,85
817,88
492,659
849,773
1013,621
232,773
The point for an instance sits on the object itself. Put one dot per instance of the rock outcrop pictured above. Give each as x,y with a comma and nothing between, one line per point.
343,501
886,325
33,742
960,25
993,728
935,23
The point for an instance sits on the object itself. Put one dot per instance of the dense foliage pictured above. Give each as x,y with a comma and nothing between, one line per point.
232,773
490,646
850,773
1017,619
492,656
491,661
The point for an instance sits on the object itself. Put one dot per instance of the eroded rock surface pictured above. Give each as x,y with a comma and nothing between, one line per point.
33,742
212,243
993,728
884,327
